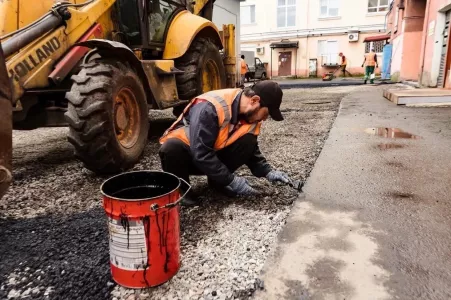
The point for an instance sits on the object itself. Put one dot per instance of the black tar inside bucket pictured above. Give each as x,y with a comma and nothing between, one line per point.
140,185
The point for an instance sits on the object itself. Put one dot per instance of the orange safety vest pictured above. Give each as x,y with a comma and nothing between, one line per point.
344,61
222,101
243,67
370,62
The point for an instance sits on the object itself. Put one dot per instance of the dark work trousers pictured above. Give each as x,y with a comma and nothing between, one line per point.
176,156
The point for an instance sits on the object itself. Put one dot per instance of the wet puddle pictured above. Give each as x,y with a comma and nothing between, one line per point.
401,195
391,133
325,102
389,146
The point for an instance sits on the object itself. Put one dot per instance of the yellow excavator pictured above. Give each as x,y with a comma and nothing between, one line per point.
98,66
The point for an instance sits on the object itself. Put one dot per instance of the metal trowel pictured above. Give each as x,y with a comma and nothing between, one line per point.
296,184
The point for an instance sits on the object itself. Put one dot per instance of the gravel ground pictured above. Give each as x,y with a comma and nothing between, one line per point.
53,233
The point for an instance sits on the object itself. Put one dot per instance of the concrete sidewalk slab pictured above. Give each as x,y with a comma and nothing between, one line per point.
375,219
418,96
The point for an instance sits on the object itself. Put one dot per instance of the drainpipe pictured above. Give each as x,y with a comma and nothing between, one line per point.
426,22
306,42
271,62
386,15
295,63
401,4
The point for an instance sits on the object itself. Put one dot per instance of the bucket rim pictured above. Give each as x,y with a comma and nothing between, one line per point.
143,199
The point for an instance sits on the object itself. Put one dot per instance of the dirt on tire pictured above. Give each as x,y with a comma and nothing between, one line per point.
91,116
189,85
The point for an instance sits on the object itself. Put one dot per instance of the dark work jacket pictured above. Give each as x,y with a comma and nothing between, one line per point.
203,122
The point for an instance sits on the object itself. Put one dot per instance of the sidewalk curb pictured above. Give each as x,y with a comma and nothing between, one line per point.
287,86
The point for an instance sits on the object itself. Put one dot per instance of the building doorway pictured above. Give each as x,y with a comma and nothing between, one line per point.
284,59
443,61
284,63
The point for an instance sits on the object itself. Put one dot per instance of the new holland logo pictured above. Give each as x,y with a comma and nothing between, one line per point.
27,65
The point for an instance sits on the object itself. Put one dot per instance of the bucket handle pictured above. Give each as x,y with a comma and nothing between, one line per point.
155,207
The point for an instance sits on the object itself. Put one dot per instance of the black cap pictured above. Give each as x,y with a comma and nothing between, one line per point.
270,95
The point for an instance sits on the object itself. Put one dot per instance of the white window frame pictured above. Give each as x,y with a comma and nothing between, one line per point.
330,58
287,7
250,14
322,16
378,7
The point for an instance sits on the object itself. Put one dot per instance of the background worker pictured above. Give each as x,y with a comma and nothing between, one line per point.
217,133
343,63
243,70
370,63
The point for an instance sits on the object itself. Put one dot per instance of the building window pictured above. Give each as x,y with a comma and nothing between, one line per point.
329,8
375,6
328,52
286,13
247,14
378,46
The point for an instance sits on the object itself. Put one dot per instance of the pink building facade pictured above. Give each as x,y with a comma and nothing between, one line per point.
420,31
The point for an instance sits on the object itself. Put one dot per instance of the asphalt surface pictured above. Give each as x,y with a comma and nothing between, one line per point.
319,83
375,219
53,233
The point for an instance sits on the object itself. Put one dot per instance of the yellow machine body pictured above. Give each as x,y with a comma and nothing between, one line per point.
31,67
47,63
182,31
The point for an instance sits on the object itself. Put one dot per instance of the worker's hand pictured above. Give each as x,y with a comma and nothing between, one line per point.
275,176
240,186
362,65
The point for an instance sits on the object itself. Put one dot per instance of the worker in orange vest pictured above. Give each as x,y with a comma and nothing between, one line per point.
217,133
243,70
343,63
370,63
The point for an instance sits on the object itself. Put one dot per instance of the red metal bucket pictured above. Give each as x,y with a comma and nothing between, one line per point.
144,227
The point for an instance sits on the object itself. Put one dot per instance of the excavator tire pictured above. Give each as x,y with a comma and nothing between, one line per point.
204,71
108,116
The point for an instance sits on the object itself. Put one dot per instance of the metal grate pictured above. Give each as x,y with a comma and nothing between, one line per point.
378,46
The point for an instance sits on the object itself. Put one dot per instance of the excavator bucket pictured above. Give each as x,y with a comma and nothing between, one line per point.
6,129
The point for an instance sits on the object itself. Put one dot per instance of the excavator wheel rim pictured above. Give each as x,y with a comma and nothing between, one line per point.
126,117
211,79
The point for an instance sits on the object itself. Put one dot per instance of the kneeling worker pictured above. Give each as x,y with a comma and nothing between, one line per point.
217,133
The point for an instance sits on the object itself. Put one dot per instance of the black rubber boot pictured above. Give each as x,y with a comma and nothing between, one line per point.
190,200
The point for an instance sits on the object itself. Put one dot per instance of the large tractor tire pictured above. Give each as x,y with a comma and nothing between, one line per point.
107,116
204,71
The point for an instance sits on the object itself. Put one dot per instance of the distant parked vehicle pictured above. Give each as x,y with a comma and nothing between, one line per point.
256,69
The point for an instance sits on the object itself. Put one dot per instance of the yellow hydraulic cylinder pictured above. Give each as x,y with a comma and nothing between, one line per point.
230,55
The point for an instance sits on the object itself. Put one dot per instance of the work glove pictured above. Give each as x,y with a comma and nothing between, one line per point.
275,176
240,186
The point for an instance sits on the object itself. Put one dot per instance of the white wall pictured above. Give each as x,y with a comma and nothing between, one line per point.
352,13
397,43
228,12
310,27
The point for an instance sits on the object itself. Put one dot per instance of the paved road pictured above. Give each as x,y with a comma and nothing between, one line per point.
53,233
318,83
375,219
